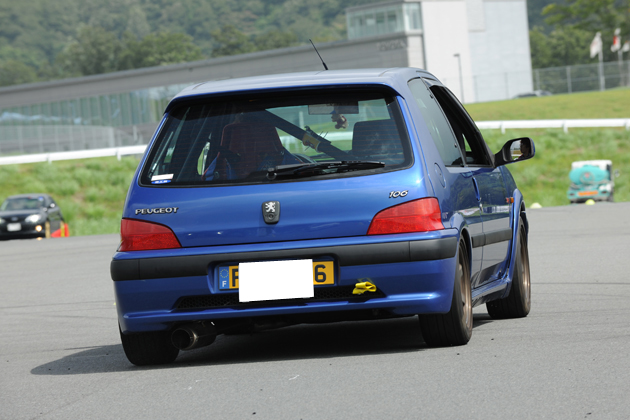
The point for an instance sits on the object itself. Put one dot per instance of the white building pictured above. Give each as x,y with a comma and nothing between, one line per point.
479,48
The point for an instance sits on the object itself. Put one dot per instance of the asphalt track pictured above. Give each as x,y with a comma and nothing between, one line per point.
61,357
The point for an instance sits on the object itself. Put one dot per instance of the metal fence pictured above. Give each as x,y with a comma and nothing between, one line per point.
583,77
42,138
103,121
119,120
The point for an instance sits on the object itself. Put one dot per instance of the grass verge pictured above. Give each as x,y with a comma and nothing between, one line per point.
614,103
545,178
90,192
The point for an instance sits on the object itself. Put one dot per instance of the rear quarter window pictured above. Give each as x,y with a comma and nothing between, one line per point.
436,122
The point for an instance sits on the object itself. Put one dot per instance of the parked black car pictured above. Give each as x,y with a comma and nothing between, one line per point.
31,216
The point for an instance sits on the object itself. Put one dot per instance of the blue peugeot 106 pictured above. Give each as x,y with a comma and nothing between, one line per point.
317,197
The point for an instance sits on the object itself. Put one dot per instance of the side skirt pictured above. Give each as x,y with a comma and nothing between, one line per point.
490,291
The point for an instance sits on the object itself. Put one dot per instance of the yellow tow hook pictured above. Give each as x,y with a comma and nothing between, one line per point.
363,287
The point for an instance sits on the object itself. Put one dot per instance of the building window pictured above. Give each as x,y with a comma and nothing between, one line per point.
380,20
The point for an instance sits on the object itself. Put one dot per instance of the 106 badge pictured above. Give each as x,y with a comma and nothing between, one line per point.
396,194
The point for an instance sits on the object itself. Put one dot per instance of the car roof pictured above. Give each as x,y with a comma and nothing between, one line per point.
602,163
385,76
28,195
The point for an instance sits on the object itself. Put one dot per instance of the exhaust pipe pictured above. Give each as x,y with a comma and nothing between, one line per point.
194,336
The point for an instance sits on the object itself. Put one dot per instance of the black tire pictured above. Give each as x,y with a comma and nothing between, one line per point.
518,303
149,348
453,328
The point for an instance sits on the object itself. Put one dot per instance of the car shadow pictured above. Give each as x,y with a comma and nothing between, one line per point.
342,339
481,319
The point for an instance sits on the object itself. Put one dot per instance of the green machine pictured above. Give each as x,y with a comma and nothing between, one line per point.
591,179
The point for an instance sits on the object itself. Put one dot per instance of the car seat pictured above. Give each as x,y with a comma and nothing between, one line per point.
377,140
248,147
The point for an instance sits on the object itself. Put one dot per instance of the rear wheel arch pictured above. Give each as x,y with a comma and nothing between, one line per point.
523,217
519,211
465,237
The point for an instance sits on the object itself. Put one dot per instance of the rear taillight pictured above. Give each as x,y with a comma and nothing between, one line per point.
421,215
138,235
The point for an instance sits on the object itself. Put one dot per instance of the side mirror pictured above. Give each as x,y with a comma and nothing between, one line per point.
514,151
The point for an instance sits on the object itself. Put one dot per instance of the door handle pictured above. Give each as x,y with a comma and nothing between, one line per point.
476,189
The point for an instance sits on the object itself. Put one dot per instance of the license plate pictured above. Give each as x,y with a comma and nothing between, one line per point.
320,273
586,193
14,227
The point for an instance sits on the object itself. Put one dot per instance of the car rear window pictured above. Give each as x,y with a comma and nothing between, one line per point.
240,139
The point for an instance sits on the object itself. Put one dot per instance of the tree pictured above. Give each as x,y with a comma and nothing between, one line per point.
275,39
19,65
95,51
39,28
13,72
564,46
535,17
230,41
117,16
48,31
592,16
157,50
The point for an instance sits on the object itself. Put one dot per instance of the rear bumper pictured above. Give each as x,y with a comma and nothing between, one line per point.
345,255
412,276
584,195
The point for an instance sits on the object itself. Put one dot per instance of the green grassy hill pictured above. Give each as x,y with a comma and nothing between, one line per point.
614,103
91,192
545,178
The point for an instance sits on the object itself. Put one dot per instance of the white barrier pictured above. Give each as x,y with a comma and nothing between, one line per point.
564,124
497,125
77,154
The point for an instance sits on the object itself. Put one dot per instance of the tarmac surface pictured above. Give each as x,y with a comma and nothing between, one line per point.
61,358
